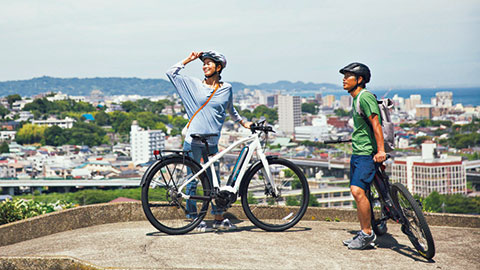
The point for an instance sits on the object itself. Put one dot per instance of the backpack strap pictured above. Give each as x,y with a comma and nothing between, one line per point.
358,109
360,112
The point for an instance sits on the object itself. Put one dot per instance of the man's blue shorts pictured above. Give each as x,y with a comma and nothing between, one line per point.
362,171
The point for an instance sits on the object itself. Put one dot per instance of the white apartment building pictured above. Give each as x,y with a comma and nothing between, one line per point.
427,173
19,104
443,99
289,113
58,96
24,116
412,102
144,142
52,121
346,102
7,170
319,130
7,135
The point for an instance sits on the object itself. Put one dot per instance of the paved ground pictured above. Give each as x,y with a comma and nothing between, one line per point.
309,245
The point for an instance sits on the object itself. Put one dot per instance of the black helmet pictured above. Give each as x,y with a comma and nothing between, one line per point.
358,69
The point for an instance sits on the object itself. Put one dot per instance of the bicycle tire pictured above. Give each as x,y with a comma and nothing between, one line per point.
378,221
168,213
421,237
281,212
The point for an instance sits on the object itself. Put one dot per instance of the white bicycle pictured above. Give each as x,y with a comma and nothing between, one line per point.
176,190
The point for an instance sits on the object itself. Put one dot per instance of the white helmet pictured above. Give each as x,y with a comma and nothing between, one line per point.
215,56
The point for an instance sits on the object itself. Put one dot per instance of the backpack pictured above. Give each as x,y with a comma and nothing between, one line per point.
388,128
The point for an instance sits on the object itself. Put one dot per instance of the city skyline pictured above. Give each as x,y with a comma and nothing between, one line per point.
407,43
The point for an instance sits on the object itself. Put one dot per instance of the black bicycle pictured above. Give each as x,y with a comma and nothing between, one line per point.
395,202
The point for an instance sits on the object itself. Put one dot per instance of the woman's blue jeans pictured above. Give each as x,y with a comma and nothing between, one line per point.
198,151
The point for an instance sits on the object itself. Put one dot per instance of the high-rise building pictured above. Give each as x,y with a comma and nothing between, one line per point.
329,101
289,113
427,173
144,142
443,99
318,98
412,102
346,102
424,111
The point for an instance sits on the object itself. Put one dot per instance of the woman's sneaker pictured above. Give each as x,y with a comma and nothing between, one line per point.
226,225
202,227
362,240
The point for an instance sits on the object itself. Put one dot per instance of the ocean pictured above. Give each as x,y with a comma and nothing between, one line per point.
466,96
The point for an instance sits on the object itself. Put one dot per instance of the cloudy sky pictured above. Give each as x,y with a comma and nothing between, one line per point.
421,43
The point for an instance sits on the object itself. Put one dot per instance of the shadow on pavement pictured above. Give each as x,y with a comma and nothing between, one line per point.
387,241
250,228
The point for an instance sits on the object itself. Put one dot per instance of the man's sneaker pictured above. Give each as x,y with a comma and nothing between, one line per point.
362,240
202,227
348,241
227,225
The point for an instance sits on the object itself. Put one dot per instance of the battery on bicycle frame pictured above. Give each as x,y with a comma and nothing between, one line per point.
238,165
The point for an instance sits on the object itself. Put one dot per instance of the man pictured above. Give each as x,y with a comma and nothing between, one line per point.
368,148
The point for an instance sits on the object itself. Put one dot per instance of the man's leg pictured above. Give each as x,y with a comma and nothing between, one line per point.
362,171
363,208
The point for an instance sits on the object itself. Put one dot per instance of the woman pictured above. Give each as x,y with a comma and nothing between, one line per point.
207,120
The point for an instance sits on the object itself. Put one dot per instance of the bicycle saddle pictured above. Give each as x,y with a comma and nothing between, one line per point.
202,137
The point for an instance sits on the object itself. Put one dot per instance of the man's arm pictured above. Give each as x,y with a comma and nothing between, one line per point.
380,156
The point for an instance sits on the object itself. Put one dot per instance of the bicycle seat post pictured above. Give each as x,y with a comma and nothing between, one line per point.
205,141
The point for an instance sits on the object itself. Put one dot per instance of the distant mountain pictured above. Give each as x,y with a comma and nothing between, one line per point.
126,86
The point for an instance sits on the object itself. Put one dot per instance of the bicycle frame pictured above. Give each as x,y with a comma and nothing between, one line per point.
254,146
382,185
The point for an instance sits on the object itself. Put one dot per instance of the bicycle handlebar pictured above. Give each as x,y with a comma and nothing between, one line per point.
337,141
259,127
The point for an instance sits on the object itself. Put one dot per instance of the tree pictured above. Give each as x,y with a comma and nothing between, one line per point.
86,134
313,201
3,111
102,118
30,133
121,121
12,98
270,115
130,106
55,136
310,108
292,201
4,148
341,112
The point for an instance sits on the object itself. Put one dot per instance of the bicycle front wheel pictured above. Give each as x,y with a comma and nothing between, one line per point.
164,208
280,211
416,227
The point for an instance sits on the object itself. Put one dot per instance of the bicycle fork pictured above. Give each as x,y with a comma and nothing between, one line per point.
270,188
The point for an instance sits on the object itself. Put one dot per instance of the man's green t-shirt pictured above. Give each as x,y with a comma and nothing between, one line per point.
363,139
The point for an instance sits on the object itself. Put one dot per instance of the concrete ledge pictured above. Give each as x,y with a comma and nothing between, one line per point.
91,215
44,263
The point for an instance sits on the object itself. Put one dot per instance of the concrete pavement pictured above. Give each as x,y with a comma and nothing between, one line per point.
309,245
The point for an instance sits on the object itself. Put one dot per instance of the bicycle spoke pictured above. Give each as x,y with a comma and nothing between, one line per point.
162,202
414,224
278,211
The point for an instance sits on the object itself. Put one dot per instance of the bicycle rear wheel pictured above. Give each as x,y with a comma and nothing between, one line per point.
280,211
378,212
416,227
167,211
